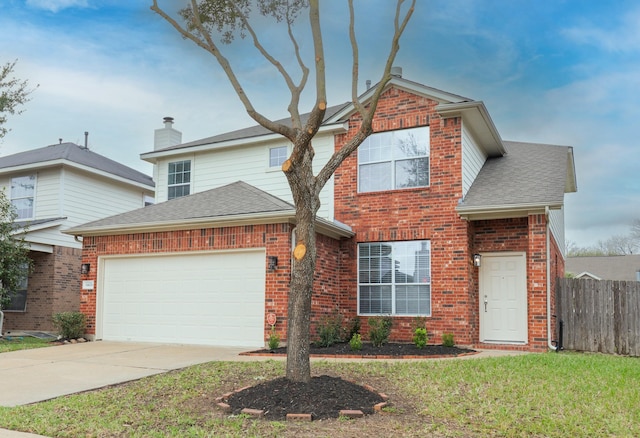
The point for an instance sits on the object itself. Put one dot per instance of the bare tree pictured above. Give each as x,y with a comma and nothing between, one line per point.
201,22
635,230
13,94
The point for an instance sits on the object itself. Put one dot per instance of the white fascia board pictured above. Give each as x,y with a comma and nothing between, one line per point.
38,227
571,184
504,211
62,162
323,226
477,117
152,157
39,247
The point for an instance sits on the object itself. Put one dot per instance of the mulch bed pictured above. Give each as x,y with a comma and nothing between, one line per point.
387,351
324,397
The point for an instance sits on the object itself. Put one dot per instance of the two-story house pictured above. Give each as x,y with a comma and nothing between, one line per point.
54,188
435,216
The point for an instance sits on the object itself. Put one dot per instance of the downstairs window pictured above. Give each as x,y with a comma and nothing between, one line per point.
394,278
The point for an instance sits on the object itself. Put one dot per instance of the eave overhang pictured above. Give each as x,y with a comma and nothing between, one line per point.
475,115
504,211
195,147
323,226
67,163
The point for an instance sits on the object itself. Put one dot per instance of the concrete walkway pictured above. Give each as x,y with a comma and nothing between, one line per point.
40,374
30,376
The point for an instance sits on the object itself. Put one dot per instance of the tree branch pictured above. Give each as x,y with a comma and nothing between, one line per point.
367,113
207,43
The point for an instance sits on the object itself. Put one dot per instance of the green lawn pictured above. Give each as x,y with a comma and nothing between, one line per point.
21,343
567,394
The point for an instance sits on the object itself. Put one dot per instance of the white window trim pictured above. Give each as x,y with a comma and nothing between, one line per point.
35,191
393,286
191,173
392,161
268,153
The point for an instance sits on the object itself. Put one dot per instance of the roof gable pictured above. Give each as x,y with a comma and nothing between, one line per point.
473,112
72,154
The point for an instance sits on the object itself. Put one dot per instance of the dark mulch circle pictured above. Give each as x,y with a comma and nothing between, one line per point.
323,398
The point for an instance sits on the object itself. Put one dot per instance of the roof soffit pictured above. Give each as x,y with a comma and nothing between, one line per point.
476,116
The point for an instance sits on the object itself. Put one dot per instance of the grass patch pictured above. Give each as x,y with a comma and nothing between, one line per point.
22,343
531,395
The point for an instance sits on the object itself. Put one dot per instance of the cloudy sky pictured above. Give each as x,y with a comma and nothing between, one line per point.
562,72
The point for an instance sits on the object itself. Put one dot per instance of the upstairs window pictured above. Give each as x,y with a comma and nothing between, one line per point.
179,178
394,278
278,155
394,160
23,190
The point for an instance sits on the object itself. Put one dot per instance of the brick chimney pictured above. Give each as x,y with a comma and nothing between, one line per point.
167,136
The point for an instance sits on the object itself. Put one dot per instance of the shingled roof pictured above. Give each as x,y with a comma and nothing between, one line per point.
73,153
529,175
231,204
245,133
622,267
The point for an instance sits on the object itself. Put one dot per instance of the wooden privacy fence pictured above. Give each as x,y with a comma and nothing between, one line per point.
599,316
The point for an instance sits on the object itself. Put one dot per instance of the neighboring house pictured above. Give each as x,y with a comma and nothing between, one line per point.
54,188
621,267
434,217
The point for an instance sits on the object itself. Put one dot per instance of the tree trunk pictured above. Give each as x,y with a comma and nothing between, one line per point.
298,367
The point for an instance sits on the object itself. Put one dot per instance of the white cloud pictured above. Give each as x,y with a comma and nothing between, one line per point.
57,5
622,37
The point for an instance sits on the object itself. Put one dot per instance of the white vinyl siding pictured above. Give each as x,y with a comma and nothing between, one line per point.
556,224
473,158
88,198
216,168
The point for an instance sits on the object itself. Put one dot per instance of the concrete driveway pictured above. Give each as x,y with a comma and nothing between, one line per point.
30,376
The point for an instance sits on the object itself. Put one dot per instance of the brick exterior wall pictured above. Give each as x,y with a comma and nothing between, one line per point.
426,213
429,213
52,288
276,238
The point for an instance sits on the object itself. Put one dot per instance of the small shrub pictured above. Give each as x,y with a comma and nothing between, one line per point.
353,327
379,330
330,330
420,337
447,340
71,325
356,342
274,339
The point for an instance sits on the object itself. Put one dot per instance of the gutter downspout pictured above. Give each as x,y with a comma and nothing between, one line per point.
549,337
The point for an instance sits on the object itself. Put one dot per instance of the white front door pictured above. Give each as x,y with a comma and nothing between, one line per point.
503,298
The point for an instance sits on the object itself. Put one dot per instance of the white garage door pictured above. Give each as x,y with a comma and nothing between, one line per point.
203,298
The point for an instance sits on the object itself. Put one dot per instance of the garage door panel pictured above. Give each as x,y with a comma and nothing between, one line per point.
212,298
